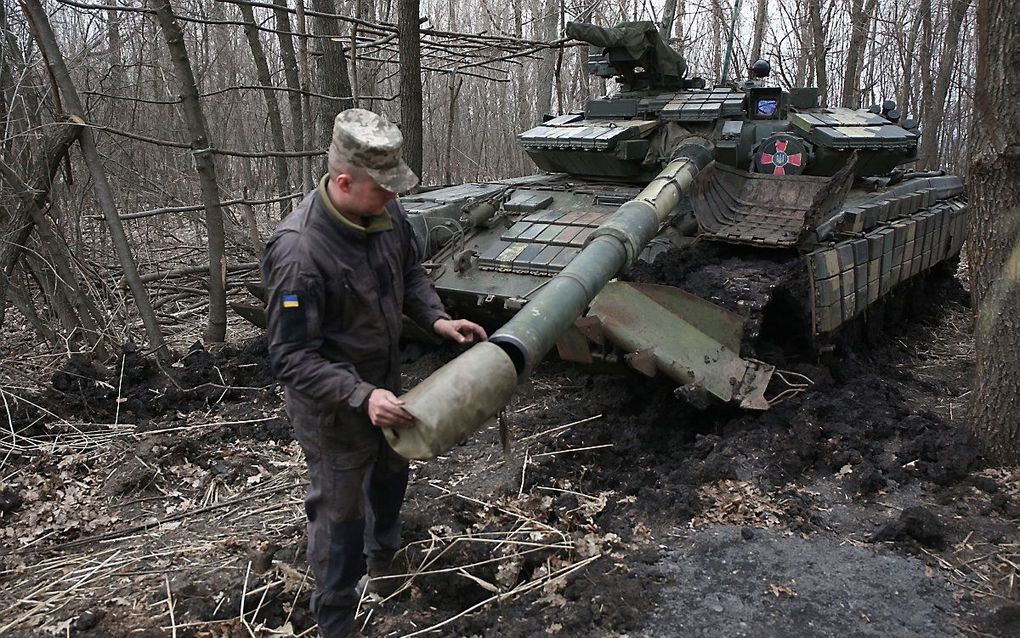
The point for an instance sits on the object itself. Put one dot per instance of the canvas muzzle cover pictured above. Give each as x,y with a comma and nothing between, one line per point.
455,402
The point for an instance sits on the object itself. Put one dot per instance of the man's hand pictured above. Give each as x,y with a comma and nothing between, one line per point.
386,410
459,330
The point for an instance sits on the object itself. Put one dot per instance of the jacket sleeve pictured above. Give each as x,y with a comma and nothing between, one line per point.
421,301
294,312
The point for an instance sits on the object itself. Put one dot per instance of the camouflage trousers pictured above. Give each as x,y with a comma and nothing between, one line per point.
357,485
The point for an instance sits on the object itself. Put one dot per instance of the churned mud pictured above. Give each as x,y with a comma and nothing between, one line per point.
139,500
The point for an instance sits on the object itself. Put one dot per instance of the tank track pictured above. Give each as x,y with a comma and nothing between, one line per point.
856,271
787,298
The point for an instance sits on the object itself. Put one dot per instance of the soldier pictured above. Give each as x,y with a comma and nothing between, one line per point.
340,271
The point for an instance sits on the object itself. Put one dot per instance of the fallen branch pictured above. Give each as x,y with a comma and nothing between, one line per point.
120,533
190,270
575,449
558,428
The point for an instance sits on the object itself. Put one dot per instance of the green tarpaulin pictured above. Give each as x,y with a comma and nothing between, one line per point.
640,39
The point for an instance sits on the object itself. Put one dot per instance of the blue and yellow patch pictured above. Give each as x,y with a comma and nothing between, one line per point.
291,301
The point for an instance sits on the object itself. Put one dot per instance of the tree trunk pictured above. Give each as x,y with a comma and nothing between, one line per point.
14,113
216,330
802,70
62,260
547,66
306,99
19,230
932,121
19,297
290,73
55,299
760,18
408,21
7,83
19,223
668,16
75,309
994,245
115,42
523,114
104,194
718,38
331,69
907,88
558,74
860,14
258,54
818,40
368,70
253,226
453,84
678,22
924,60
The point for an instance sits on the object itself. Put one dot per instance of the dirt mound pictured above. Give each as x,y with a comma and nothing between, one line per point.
137,388
915,524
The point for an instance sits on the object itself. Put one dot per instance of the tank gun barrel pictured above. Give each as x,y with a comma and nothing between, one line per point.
533,331
594,34
460,397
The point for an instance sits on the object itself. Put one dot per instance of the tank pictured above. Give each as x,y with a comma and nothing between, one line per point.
677,229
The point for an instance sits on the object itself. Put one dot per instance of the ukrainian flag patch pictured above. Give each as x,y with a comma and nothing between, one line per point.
291,301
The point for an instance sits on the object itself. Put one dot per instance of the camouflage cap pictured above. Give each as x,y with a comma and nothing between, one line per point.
371,142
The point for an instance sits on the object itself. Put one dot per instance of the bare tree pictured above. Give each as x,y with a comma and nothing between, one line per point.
668,16
290,74
933,112
331,68
104,194
860,19
201,150
547,67
907,62
33,191
258,55
760,18
409,20
814,8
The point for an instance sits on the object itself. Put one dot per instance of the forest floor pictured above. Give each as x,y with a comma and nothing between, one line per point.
140,501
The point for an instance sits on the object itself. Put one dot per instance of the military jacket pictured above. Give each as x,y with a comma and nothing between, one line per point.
336,295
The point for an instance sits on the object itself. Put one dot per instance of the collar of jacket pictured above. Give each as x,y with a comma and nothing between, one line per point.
377,223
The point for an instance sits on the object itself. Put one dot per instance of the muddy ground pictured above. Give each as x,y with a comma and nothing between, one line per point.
147,501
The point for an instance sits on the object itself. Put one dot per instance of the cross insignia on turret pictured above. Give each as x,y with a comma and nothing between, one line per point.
779,159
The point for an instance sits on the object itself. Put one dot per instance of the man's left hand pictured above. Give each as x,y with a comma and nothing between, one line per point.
459,330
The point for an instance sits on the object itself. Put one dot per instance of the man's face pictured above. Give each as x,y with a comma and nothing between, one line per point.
363,197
